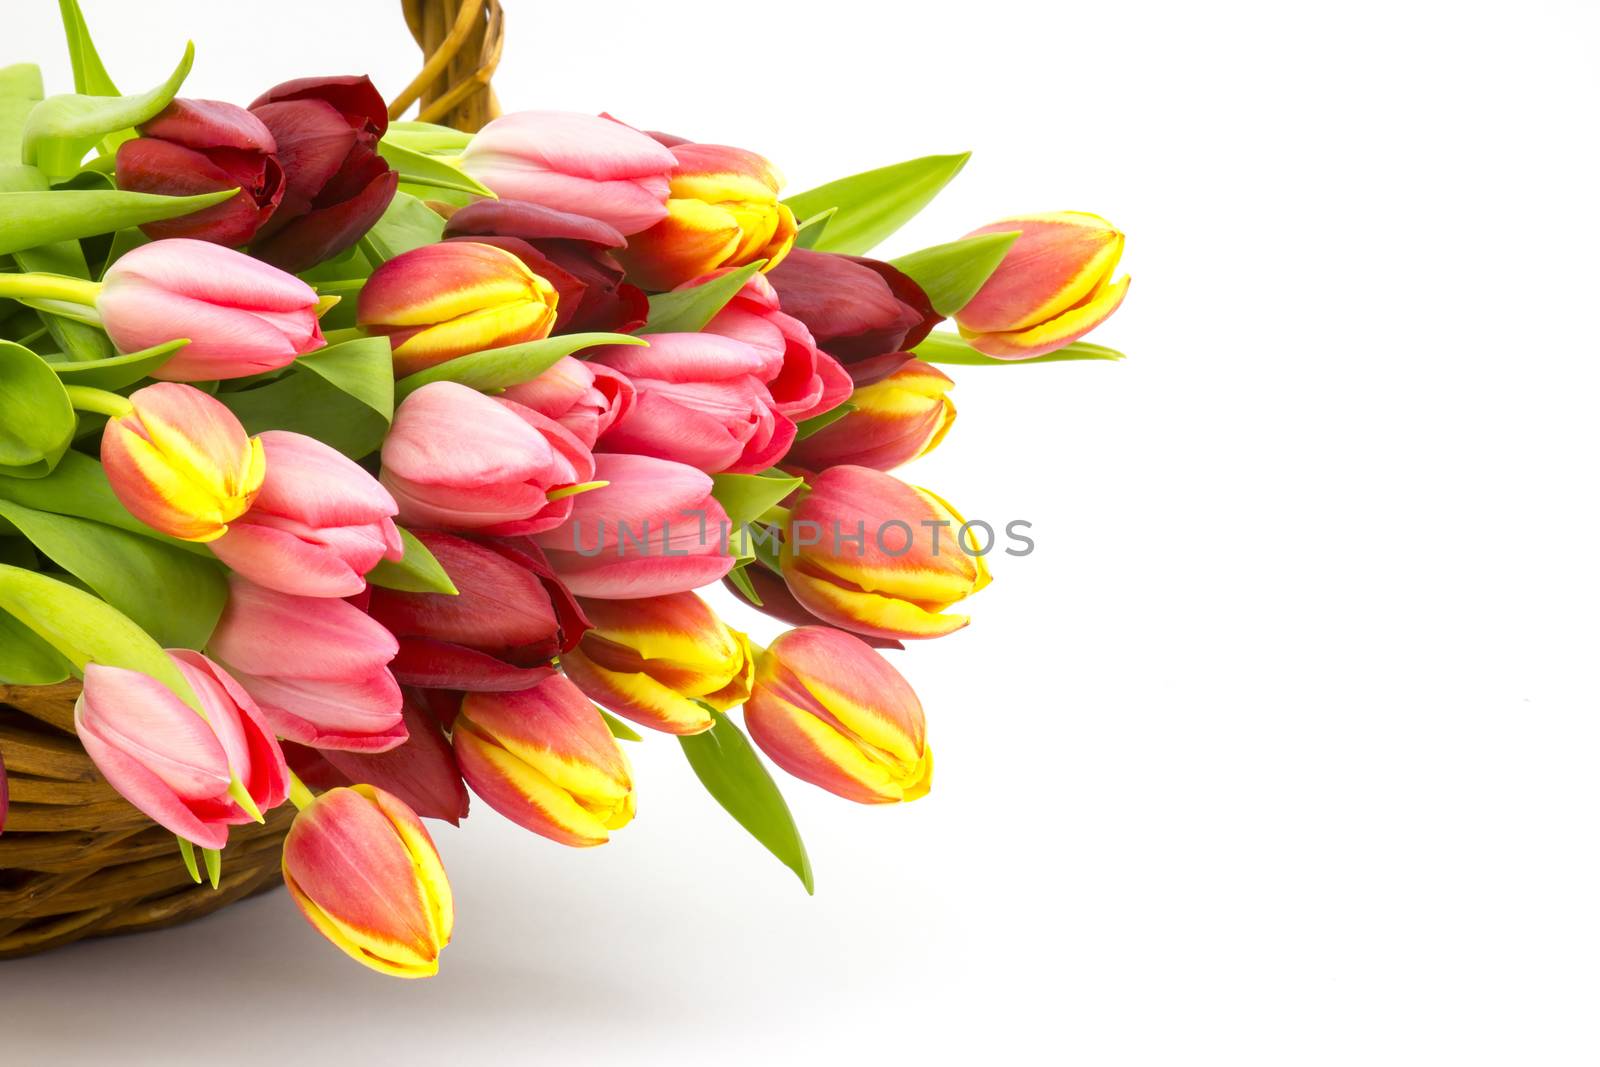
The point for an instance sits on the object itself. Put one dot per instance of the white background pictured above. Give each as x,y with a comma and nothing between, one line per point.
1281,749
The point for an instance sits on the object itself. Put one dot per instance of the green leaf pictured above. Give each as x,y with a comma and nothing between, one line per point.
21,87
407,223
77,341
618,728
88,73
172,595
947,348
875,203
85,629
26,658
342,395
434,194
734,775
36,418
78,486
746,497
951,274
810,231
741,582
420,169
30,219
427,137
61,129
417,572
688,310
806,427
499,368
117,372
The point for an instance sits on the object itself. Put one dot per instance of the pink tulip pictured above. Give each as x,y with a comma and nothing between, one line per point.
510,616
241,316
582,164
318,667
187,772
319,524
458,459
702,400
586,398
654,529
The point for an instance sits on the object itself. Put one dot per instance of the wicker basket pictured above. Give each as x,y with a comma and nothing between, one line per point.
76,860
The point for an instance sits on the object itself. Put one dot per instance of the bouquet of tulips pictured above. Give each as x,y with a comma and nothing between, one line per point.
351,463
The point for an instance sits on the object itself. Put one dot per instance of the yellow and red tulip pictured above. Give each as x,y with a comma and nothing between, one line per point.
445,300
830,710
867,552
181,463
544,758
1053,286
660,660
722,211
362,868
895,420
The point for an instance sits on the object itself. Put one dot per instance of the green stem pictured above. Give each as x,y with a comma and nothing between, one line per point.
102,401
49,287
299,795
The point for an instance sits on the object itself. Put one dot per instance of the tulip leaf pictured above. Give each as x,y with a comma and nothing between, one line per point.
21,87
875,203
951,274
419,169
85,629
30,219
60,129
26,658
495,369
688,310
948,348
727,765
811,229
741,582
174,596
618,728
117,372
36,418
407,223
427,137
418,571
342,395
88,73
746,497
78,486
806,427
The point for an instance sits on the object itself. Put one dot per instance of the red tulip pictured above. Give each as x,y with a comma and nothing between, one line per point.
778,603
895,420
856,308
584,397
200,146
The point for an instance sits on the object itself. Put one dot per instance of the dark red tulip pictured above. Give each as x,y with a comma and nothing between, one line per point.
200,146
509,619
327,131
778,603
856,308
573,253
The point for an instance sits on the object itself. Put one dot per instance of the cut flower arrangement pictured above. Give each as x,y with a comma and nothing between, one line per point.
349,464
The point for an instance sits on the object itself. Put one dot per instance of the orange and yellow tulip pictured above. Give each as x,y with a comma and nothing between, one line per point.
895,421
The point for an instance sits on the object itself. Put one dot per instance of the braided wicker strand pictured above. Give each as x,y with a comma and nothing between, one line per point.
461,41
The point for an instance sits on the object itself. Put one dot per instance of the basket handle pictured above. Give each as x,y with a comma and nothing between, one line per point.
462,41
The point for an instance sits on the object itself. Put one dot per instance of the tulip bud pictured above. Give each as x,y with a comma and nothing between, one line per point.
586,398
895,420
194,774
867,552
653,529
1053,286
544,759
857,309
778,603
317,666
509,618
201,146
445,300
362,868
319,524
660,660
337,185
459,459
830,710
581,164
722,211
240,316
180,462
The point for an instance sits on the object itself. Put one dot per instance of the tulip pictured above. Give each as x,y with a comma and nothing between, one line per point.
702,400
1053,286
867,552
5,794
722,211
200,146
778,603
240,316
194,773
337,186
831,711
544,758
458,459
510,617
809,381
895,420
660,661
181,463
586,398
573,252
319,524
653,529
581,164
445,300
857,309
317,666
362,868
